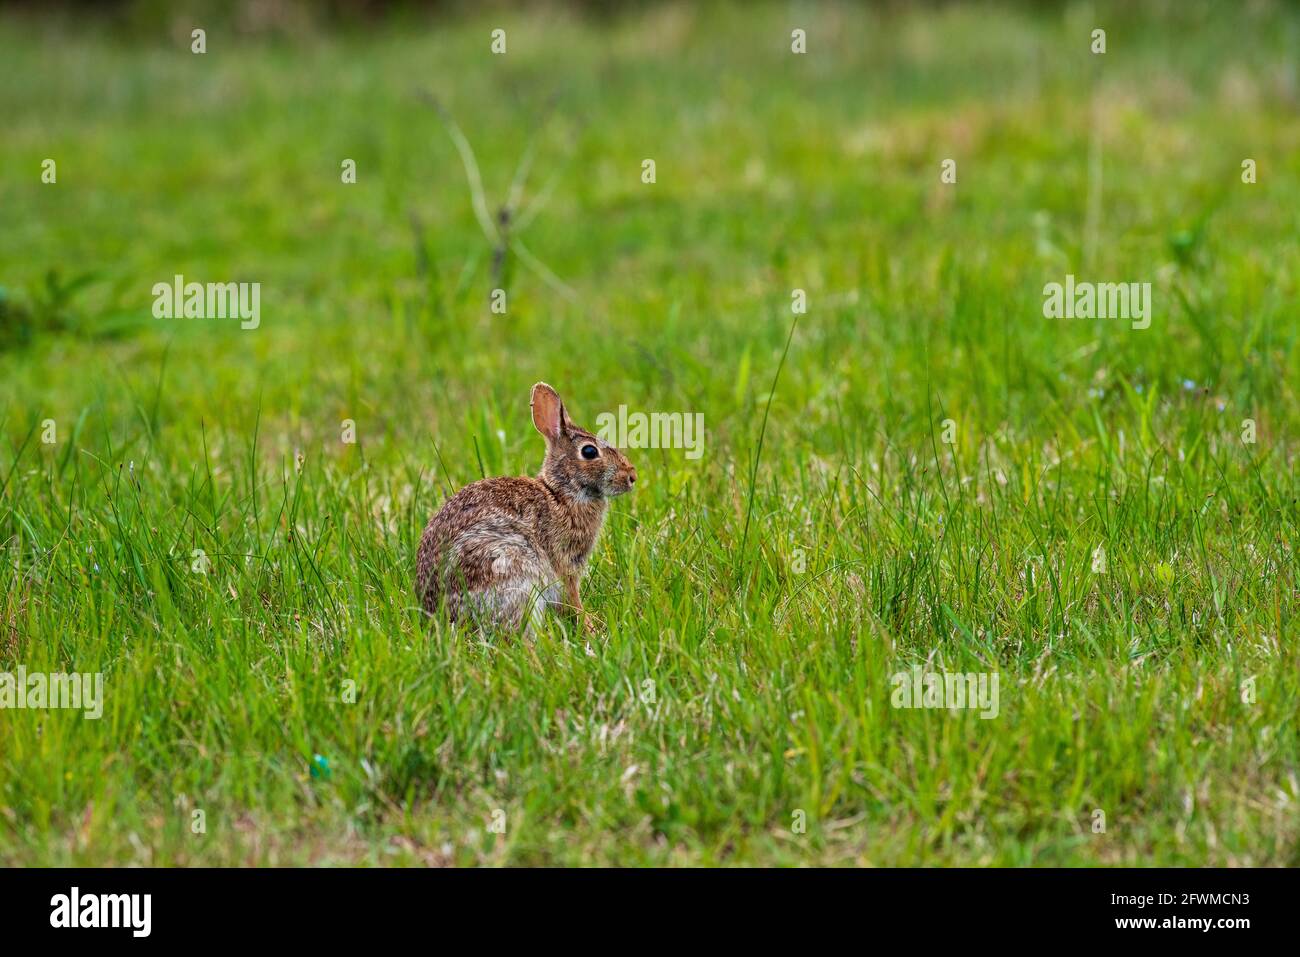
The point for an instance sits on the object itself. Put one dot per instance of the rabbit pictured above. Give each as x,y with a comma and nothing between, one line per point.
502,550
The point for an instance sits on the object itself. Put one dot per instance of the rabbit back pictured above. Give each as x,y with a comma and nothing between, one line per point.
482,554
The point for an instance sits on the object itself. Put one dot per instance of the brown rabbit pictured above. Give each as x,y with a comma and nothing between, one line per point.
500,550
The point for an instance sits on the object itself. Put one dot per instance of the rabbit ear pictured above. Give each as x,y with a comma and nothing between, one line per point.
549,416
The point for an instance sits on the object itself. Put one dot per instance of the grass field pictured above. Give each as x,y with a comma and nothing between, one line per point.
735,707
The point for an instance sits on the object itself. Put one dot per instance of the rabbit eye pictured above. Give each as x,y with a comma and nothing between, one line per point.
590,452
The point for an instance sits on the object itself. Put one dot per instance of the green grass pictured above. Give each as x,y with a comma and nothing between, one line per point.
872,544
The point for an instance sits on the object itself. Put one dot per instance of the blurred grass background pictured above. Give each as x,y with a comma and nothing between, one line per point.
1120,692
